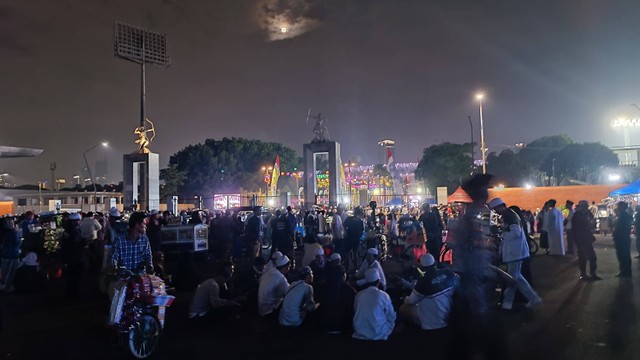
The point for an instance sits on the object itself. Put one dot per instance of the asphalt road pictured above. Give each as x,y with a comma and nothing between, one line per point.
577,320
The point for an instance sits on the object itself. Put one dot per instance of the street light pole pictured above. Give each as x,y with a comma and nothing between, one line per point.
95,190
480,97
473,147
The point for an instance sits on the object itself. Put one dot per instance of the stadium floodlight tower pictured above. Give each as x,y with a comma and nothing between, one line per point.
142,167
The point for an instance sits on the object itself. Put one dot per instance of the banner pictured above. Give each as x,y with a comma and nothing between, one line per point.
273,186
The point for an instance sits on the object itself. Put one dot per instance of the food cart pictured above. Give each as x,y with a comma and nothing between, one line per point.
181,238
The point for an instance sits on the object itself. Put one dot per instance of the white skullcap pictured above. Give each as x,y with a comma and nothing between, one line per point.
282,261
319,252
335,257
427,260
276,255
372,251
371,275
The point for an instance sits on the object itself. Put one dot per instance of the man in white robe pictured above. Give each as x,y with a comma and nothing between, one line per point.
553,225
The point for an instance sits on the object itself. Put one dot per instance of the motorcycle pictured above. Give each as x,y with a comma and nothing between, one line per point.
138,310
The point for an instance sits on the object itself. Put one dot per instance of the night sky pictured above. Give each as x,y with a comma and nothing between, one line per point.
402,69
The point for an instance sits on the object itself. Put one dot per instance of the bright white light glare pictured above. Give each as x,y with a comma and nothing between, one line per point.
283,30
419,190
105,144
346,201
528,186
614,177
271,202
624,122
479,96
419,197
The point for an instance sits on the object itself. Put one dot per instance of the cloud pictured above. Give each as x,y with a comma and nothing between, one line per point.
286,19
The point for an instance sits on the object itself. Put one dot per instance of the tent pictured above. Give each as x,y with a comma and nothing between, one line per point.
633,188
459,196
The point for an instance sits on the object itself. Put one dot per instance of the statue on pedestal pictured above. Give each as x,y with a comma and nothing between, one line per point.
319,129
143,140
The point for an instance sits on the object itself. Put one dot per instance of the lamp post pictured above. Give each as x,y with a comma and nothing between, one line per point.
93,181
480,97
473,153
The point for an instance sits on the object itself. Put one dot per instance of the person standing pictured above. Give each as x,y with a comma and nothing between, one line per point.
567,227
10,253
72,249
514,250
582,225
281,238
253,233
636,225
622,239
544,237
354,230
553,224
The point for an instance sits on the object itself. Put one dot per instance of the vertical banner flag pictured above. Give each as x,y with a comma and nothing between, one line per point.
274,177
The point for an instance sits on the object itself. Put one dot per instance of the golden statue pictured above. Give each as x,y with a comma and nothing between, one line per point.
143,141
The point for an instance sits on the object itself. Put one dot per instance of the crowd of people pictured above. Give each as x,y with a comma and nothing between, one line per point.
311,276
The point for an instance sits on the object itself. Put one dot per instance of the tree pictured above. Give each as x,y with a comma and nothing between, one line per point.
580,162
225,165
444,164
173,180
534,153
508,168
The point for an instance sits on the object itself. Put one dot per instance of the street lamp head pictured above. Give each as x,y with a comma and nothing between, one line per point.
625,122
264,168
479,96
105,144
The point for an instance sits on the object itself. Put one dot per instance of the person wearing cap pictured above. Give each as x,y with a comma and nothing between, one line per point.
581,225
374,317
318,266
336,297
271,265
514,249
273,286
132,250
431,300
622,239
371,262
298,300
311,248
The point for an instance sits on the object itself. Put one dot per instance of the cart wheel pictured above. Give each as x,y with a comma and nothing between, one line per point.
143,338
533,247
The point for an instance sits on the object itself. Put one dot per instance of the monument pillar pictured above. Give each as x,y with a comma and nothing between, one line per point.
141,185
317,154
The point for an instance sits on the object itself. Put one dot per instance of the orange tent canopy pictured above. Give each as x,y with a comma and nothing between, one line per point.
459,196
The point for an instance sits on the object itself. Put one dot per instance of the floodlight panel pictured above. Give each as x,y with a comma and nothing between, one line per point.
623,122
129,40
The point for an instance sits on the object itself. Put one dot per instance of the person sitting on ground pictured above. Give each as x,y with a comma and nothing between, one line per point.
273,286
374,317
430,302
298,300
272,263
318,266
336,297
213,295
245,283
371,263
311,246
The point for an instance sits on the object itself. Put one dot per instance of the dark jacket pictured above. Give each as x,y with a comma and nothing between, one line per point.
10,244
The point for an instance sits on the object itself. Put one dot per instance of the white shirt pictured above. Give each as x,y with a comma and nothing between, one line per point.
374,317
206,298
273,286
337,228
433,310
89,228
374,265
297,301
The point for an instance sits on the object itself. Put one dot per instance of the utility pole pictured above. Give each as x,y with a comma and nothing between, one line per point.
52,167
473,147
